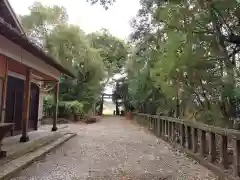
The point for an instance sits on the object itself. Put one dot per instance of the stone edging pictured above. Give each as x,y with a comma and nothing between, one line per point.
12,168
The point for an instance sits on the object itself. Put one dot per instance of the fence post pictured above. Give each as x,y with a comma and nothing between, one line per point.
223,151
236,159
203,143
182,135
158,127
212,147
195,139
173,131
189,138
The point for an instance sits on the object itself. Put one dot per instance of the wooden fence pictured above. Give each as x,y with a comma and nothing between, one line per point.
216,148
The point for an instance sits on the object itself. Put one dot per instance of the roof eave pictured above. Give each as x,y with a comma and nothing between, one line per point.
20,39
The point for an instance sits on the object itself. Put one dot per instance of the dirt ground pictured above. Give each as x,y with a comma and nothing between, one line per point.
115,148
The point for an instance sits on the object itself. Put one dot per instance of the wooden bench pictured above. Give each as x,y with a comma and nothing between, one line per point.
4,128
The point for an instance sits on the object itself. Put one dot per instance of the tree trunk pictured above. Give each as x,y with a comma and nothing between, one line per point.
117,109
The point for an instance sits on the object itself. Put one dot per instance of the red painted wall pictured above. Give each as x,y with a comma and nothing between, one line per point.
2,66
16,67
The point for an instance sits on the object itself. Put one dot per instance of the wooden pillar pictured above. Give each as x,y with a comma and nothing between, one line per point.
195,139
189,137
212,147
182,135
236,159
158,127
169,130
4,92
203,143
56,93
26,106
223,151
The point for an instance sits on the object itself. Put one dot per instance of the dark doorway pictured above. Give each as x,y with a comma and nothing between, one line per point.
34,103
14,104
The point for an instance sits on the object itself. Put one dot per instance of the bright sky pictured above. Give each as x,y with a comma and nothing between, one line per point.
91,18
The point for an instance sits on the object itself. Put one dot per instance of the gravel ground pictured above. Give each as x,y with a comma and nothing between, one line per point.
115,149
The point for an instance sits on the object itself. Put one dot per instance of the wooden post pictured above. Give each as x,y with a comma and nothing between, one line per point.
203,143
4,93
165,128
158,127
223,151
155,125
195,139
236,159
173,131
189,137
212,147
26,107
169,130
182,135
54,128
161,127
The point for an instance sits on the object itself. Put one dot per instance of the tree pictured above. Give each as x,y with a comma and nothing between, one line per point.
104,3
189,51
42,20
70,46
95,57
113,51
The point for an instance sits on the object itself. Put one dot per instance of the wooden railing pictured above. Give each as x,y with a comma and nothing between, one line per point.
216,148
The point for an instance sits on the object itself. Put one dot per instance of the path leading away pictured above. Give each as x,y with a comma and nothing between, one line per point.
115,149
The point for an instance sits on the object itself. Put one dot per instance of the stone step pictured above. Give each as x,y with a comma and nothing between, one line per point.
18,150
11,168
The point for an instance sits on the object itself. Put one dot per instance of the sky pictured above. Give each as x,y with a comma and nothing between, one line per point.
91,18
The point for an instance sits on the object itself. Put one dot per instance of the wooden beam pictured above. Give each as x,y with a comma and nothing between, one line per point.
26,108
4,92
56,94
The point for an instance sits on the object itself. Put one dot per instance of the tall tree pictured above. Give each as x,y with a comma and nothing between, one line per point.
190,50
42,20
70,46
104,3
113,51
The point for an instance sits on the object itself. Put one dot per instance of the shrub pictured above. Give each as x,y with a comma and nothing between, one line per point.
77,107
67,108
48,105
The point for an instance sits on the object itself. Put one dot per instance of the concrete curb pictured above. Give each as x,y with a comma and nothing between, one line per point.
12,168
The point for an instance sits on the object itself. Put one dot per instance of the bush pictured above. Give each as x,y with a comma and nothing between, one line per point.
48,105
73,110
70,107
77,107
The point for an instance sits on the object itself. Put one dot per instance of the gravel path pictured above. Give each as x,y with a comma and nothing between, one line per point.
115,149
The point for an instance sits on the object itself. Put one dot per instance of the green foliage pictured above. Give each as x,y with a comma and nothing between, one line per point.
71,107
42,20
95,58
104,3
112,50
48,105
185,59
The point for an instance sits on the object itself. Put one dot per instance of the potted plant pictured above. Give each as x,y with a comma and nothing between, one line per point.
129,109
77,109
69,110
